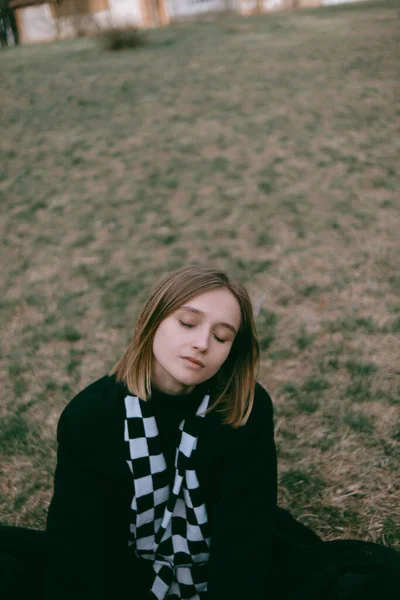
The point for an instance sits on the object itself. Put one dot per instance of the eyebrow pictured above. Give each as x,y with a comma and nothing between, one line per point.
200,312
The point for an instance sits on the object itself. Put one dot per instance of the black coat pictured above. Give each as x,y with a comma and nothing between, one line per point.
258,550
88,519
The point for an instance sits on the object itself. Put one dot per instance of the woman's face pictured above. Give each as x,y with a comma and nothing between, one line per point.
192,343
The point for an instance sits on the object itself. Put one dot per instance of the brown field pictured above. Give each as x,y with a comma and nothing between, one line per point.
265,145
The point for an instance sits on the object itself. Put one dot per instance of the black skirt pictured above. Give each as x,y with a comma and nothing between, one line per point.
304,567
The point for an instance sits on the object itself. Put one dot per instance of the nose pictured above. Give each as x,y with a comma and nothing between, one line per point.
200,343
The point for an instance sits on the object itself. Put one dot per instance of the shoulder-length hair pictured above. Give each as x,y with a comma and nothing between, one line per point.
234,384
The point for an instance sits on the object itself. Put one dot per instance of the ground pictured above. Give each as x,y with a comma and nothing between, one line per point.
264,145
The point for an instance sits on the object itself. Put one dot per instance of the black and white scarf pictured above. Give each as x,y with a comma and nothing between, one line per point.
169,524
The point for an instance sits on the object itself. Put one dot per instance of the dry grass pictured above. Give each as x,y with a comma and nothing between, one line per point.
267,146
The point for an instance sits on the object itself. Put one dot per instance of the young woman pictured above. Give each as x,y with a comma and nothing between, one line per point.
166,478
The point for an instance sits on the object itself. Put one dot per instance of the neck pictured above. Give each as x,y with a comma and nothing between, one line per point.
172,388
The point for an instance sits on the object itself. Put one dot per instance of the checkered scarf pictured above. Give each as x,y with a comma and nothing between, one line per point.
169,524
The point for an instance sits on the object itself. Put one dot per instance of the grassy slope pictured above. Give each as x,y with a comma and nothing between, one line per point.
265,145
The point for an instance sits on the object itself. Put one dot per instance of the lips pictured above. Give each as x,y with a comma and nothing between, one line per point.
194,361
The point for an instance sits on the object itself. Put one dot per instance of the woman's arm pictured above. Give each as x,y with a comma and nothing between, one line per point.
75,523
243,519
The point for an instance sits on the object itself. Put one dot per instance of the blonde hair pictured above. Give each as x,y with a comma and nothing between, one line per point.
235,381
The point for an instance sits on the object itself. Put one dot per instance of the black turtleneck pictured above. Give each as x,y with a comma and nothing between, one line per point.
169,411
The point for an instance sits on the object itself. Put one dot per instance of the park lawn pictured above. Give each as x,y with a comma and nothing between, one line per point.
264,145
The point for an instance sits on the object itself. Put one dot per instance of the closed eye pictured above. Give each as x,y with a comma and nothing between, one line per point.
190,325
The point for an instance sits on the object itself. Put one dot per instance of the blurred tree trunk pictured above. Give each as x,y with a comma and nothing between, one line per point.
7,21
3,23
14,26
3,31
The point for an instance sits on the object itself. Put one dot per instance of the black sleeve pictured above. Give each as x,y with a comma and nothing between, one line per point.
243,519
75,523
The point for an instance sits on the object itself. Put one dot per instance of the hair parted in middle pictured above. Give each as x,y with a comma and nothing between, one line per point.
233,385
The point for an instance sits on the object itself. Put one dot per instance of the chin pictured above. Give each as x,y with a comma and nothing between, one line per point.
189,379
